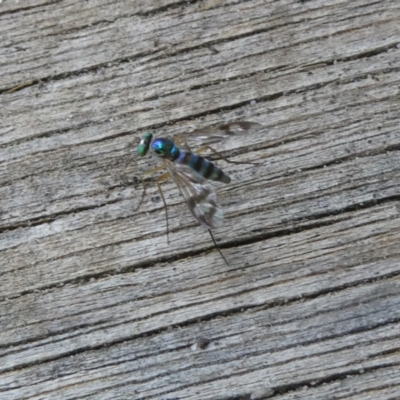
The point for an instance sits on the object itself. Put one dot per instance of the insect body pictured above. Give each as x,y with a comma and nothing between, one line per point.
166,149
190,172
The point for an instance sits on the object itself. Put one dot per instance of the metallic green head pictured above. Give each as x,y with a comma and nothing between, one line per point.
144,144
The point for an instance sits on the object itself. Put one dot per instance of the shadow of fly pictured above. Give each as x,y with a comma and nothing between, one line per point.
193,173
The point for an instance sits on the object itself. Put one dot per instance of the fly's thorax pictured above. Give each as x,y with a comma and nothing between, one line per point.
203,167
144,144
165,148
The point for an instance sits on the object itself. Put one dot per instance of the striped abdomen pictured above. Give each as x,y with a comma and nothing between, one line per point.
202,166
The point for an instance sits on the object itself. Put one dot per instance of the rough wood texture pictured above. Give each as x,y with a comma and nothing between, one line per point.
94,304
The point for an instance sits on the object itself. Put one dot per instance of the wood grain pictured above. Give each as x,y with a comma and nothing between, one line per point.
95,304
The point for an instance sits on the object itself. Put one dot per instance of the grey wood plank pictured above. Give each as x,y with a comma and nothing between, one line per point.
95,304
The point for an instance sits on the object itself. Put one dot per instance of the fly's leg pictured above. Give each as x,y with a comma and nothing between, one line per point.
217,247
149,172
206,147
160,179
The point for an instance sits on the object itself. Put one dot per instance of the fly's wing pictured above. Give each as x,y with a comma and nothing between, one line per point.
199,196
217,133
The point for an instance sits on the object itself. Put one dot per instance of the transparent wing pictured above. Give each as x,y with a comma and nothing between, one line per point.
218,133
199,196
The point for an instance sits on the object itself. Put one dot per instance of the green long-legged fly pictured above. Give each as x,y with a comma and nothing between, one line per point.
192,173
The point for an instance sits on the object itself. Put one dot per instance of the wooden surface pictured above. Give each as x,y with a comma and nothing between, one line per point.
94,304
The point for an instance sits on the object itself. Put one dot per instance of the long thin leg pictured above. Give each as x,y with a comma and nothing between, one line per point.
159,180
206,147
151,171
217,247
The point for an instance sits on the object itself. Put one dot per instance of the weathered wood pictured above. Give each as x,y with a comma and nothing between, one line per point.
95,304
